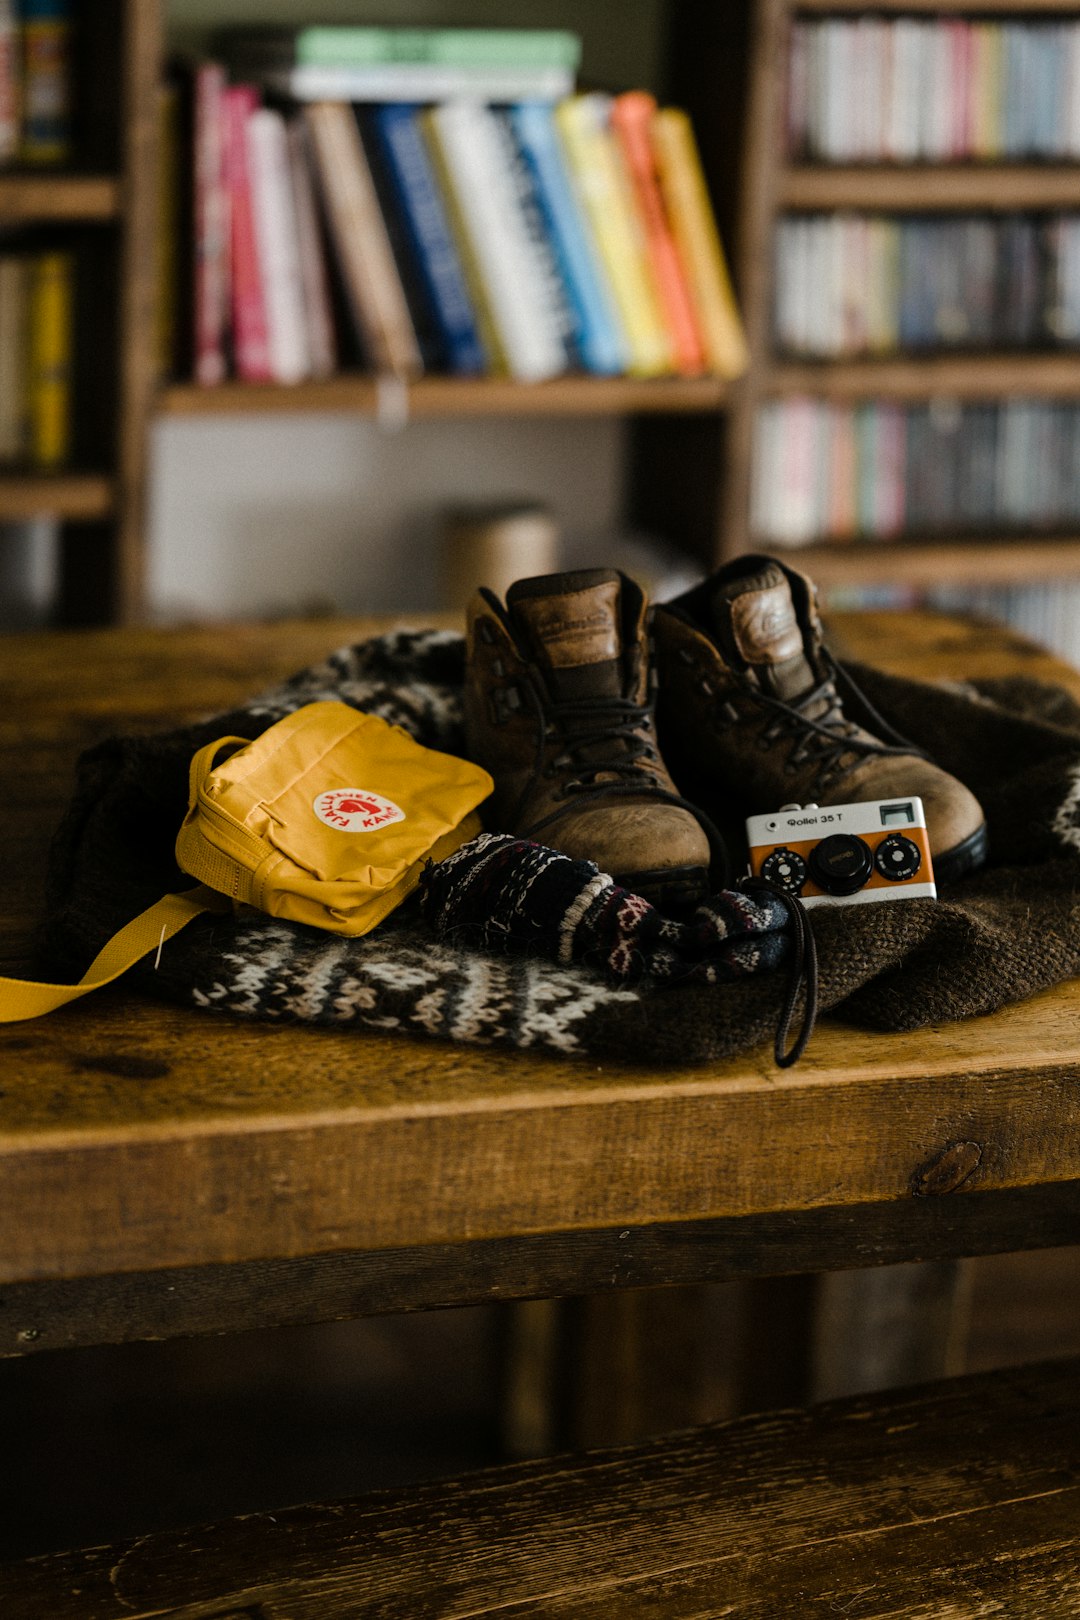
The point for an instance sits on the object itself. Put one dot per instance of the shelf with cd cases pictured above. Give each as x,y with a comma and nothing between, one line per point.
847,392
76,200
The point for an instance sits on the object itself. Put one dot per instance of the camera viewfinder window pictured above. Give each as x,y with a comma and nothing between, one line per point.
893,815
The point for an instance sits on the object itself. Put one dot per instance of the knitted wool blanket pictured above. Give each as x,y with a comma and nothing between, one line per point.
1001,935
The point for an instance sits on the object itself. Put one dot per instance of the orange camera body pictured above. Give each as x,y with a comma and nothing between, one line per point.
845,854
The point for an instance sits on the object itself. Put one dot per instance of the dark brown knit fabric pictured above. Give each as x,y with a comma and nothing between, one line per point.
1010,931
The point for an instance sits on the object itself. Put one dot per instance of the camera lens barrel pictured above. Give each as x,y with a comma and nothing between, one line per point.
841,863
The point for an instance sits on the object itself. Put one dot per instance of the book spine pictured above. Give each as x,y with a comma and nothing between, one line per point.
425,322
49,359
631,119
474,168
167,229
408,166
10,86
318,308
46,88
698,240
277,244
373,286
421,83
14,321
211,220
251,342
554,299
597,332
453,47
603,189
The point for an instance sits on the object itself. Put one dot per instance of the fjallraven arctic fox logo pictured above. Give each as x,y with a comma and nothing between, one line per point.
356,810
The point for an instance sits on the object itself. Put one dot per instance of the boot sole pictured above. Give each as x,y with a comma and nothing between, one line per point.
963,858
669,888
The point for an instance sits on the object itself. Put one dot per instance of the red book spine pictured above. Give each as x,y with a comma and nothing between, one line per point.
631,119
211,227
251,343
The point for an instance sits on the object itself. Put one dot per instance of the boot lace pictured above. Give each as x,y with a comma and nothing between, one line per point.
827,738
581,724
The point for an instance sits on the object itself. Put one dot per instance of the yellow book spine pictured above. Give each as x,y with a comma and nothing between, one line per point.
603,189
698,241
487,329
49,360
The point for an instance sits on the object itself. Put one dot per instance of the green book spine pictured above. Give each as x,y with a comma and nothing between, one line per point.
445,47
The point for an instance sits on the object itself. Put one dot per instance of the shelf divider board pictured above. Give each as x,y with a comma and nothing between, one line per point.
450,397
978,8
27,198
910,377
992,560
79,497
928,188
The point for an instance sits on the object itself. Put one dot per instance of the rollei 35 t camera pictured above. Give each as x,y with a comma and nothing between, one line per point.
845,854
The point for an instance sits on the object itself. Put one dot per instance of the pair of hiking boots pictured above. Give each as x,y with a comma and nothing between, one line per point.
640,741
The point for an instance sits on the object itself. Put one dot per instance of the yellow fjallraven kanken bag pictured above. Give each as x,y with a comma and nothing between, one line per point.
328,818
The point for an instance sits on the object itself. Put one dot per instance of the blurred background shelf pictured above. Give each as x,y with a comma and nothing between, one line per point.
1006,561
76,497
452,396
39,198
930,188
913,377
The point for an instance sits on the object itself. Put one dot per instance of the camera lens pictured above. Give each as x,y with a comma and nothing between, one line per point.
785,869
841,863
897,858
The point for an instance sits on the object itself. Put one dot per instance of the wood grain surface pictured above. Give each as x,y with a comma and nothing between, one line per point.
135,1137
954,1501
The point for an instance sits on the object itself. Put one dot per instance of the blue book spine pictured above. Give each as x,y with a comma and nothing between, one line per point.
597,335
424,218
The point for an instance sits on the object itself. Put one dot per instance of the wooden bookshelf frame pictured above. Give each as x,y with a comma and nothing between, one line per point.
34,198
450,397
770,184
100,507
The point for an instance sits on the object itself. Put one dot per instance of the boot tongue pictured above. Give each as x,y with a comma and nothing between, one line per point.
571,626
758,627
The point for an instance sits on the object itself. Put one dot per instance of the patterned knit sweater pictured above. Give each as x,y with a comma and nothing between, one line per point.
1007,932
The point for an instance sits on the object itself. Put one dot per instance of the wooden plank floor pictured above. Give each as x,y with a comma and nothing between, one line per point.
956,1501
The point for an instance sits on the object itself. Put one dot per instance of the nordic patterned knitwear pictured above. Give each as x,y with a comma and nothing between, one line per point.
501,893
1005,933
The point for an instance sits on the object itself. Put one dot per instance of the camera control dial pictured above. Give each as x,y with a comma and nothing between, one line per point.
897,858
785,870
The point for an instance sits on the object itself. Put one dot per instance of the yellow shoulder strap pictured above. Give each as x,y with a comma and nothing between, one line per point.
23,998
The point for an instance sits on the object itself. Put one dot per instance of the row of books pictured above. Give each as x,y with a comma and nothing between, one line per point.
35,358
934,89
839,472
849,284
34,81
528,240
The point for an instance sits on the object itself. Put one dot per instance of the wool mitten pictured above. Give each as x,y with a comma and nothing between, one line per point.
501,893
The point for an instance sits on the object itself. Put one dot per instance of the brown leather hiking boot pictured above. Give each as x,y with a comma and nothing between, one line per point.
750,715
558,709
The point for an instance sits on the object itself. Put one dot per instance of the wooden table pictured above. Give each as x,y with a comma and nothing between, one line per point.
165,1171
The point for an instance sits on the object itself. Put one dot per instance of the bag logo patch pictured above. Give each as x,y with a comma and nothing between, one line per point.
356,810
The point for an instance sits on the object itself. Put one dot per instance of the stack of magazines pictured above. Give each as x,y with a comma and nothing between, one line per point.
438,200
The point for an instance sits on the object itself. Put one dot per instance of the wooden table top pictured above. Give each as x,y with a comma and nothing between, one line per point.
136,1137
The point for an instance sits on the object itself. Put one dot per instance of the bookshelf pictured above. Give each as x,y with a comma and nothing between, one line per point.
101,208
772,185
